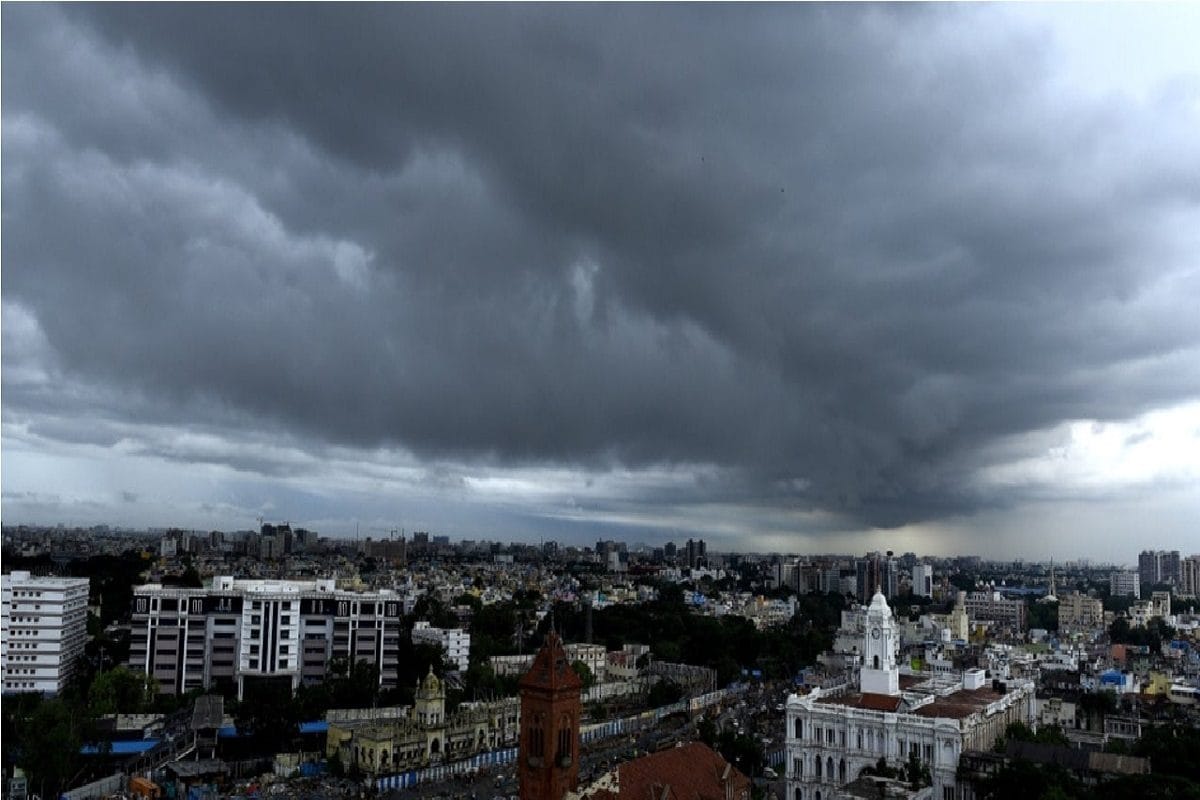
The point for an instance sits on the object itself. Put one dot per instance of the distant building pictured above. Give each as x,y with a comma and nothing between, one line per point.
1159,566
1189,576
1124,583
991,606
43,630
1078,613
922,580
456,642
696,553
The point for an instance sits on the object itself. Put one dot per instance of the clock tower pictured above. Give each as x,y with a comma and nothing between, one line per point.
548,758
879,673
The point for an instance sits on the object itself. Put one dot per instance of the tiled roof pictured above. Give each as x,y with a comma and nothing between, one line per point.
551,669
960,704
867,700
693,771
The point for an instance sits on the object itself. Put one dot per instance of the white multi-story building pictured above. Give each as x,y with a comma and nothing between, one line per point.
43,629
1124,583
455,641
833,734
236,630
922,580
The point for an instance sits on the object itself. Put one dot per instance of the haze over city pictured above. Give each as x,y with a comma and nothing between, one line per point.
795,278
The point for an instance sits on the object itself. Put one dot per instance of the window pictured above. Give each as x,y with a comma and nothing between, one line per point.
285,620
799,728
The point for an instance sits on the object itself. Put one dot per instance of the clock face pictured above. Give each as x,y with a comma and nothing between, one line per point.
874,633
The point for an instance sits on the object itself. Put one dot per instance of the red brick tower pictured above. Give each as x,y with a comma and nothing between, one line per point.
548,760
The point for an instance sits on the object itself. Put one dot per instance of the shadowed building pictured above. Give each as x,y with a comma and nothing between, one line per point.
548,764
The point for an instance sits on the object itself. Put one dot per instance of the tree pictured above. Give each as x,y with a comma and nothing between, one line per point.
49,750
916,773
121,691
585,674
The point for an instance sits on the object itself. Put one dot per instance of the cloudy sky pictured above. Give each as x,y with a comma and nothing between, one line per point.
801,278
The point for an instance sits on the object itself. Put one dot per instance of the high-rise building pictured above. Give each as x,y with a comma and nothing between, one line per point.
1159,566
922,580
696,553
43,629
1124,583
251,630
548,758
877,573
1189,576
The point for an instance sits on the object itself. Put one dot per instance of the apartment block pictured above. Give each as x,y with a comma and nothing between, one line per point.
246,630
455,641
922,580
1189,575
1159,566
1125,583
43,629
990,606
1078,612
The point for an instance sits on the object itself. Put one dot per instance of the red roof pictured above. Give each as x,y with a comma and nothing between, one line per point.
551,669
867,700
693,771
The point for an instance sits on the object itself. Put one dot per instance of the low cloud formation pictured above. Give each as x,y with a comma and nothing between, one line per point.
848,266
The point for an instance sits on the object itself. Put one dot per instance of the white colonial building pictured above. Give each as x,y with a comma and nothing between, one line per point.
833,734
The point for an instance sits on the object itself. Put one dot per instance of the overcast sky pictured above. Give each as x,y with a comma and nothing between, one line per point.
798,278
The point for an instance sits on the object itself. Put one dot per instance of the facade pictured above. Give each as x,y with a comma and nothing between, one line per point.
922,580
1189,576
991,606
876,573
455,641
1124,583
387,741
833,734
43,630
1078,612
548,760
239,630
1159,566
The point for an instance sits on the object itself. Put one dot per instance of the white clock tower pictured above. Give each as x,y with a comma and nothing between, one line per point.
879,673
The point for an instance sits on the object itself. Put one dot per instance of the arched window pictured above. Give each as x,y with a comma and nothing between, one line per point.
842,771
817,771
799,794
829,767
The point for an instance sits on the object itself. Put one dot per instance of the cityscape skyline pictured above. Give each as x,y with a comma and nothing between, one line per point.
788,279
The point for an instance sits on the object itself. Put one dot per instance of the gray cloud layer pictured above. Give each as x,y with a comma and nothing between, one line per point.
835,253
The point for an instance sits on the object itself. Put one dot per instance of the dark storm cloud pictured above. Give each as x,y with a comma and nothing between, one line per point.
837,252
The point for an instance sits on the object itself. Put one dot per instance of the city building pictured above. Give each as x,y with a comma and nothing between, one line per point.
876,573
455,641
1189,576
548,758
43,630
991,606
1078,613
1124,583
1159,567
922,580
386,741
240,630
834,733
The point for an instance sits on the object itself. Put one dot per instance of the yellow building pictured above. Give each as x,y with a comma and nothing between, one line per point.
386,741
